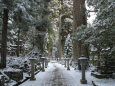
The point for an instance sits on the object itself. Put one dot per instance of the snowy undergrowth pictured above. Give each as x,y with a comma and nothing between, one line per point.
14,64
17,61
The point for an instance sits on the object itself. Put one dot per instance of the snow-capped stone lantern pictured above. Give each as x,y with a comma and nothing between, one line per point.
32,61
83,62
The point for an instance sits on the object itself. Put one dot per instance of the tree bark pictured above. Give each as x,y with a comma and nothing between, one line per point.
60,45
4,38
59,39
79,19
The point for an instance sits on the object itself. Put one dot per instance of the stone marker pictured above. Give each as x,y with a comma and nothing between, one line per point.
65,62
32,61
43,63
68,66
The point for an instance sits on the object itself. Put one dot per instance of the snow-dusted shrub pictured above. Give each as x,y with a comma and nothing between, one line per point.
16,62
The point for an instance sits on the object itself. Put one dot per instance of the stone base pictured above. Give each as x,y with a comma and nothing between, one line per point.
15,75
83,81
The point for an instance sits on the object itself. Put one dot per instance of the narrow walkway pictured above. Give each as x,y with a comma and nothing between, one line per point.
57,75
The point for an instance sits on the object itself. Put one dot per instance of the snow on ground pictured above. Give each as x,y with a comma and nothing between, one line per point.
57,75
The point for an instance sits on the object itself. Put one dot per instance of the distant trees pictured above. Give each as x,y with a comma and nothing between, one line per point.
68,47
64,24
43,26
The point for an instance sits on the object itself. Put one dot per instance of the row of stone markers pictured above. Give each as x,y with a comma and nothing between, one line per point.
67,63
44,62
63,61
83,63
32,65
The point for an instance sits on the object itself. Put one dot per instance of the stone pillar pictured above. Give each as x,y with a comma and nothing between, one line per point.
83,80
65,62
43,63
32,61
46,63
68,67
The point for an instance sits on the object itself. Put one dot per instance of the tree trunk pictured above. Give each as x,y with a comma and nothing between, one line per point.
40,39
4,39
86,52
79,19
59,39
60,46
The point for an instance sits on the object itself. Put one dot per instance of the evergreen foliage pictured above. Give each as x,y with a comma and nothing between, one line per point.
25,15
101,34
68,47
103,26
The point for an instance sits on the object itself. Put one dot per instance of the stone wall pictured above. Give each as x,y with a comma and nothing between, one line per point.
15,75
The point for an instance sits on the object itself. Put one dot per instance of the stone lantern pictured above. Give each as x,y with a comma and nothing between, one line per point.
32,61
83,63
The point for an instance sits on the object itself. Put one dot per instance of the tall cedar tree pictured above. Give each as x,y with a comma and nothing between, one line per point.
79,19
4,38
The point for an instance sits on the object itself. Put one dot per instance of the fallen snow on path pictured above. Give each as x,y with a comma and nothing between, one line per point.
57,75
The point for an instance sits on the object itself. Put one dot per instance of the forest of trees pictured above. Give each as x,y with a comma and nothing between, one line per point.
59,24
26,22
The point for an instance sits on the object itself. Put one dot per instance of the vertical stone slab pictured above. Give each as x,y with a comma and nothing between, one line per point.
32,61
68,66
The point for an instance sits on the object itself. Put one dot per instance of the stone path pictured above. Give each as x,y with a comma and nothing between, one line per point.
57,75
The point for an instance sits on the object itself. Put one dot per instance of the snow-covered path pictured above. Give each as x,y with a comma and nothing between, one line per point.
57,75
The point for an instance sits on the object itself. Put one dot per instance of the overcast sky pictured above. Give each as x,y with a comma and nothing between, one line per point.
92,14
